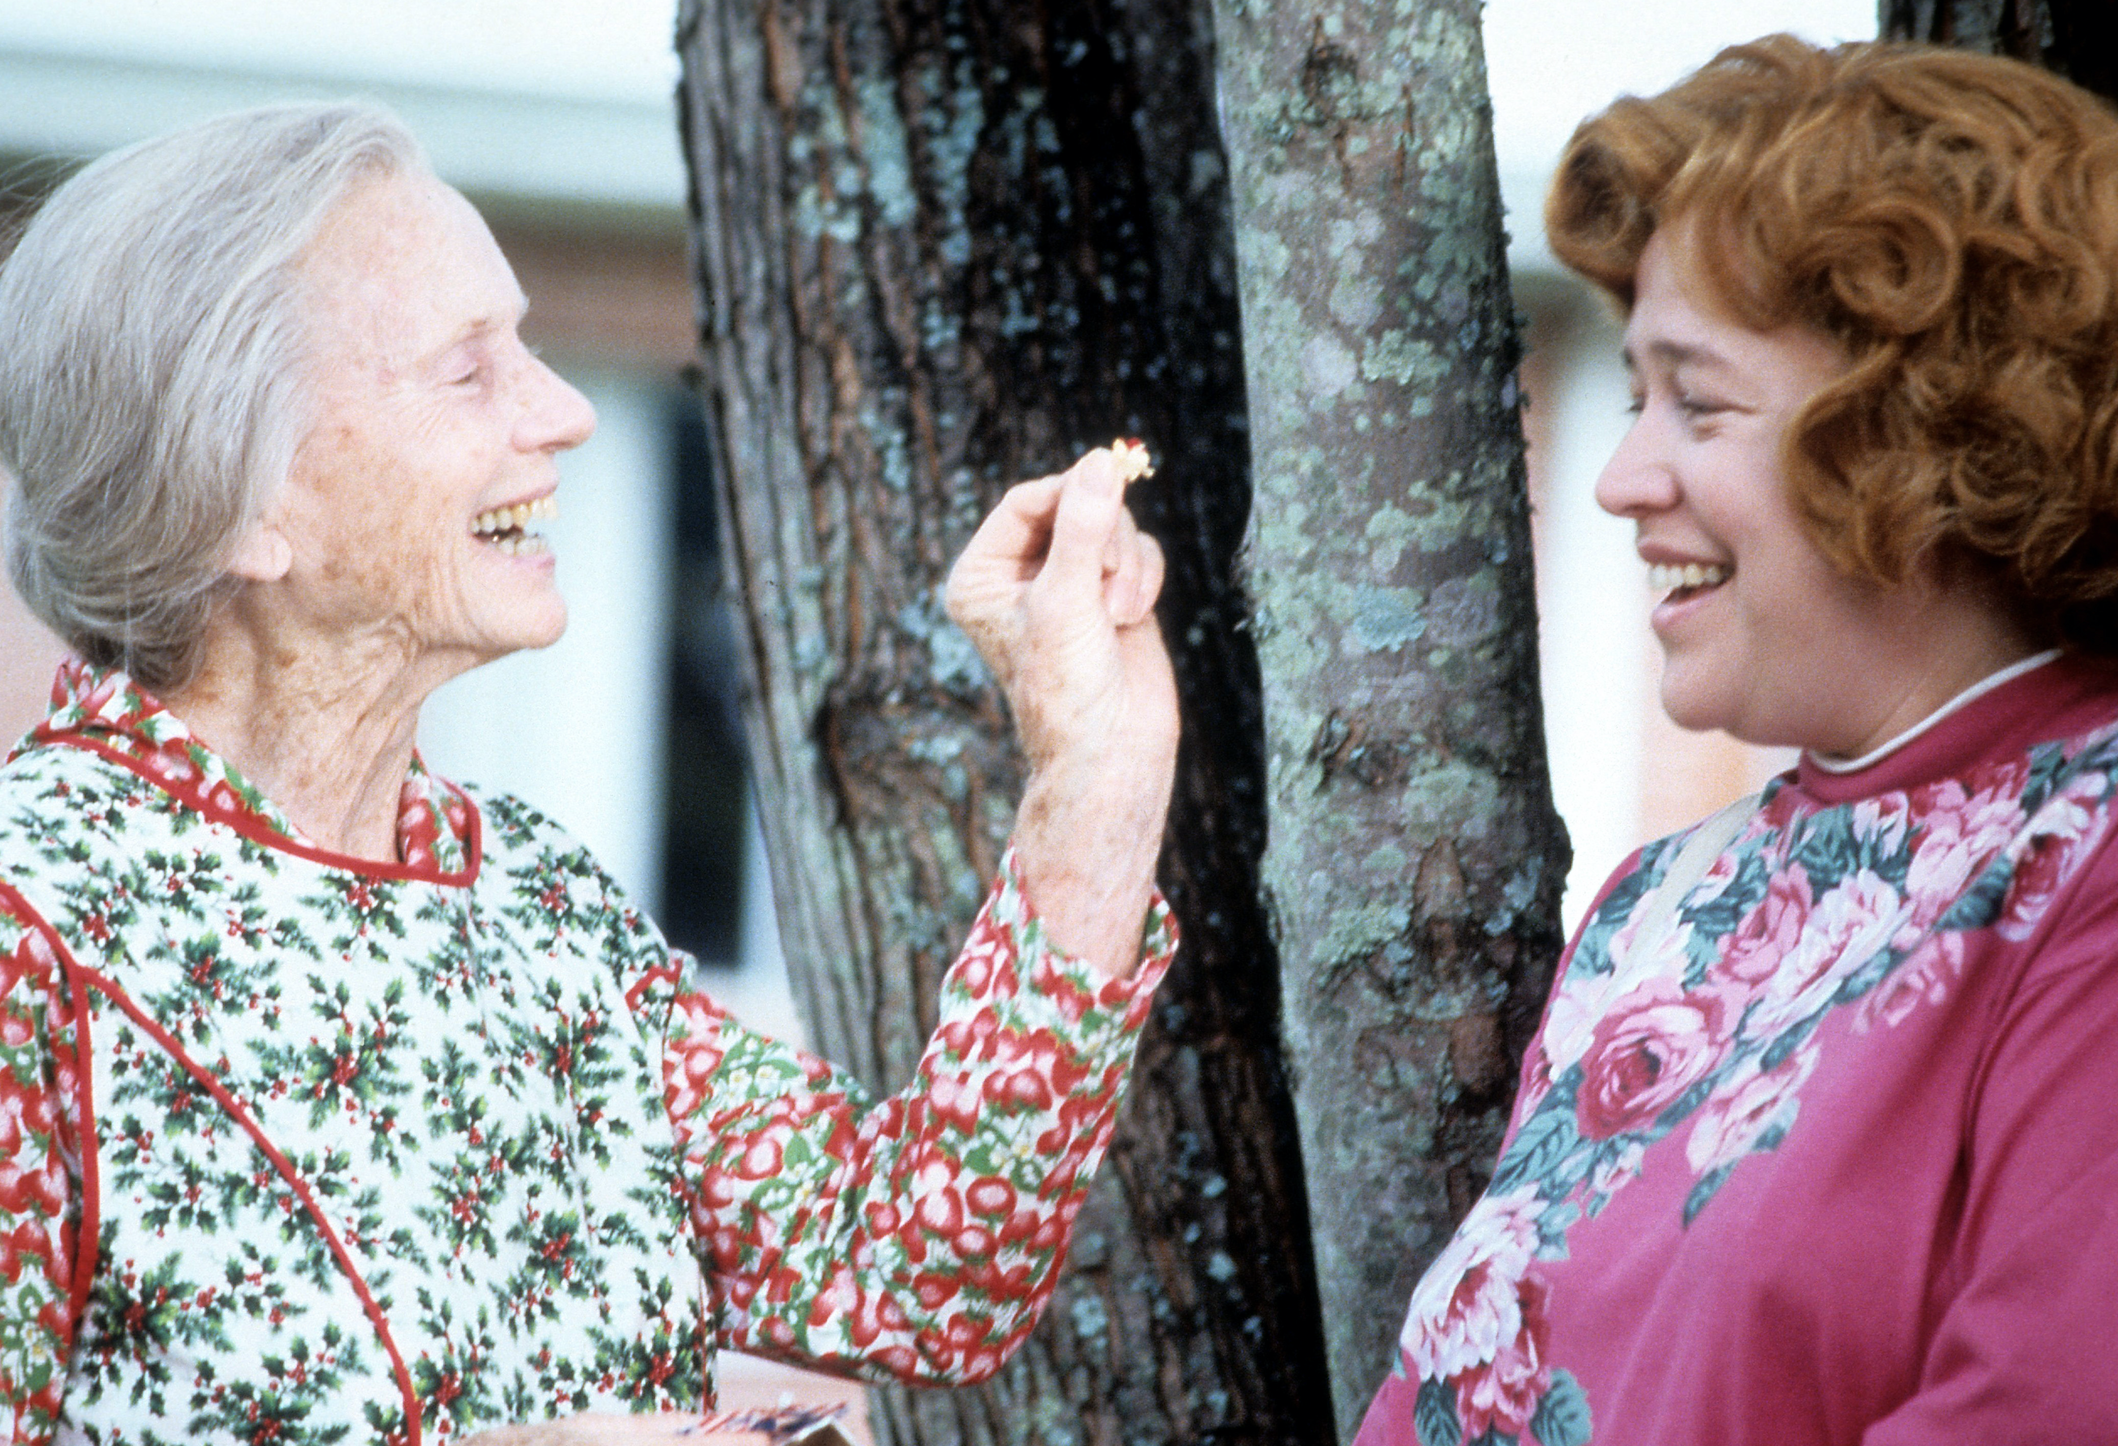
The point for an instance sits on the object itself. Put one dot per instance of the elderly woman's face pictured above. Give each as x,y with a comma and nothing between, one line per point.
1762,635
431,417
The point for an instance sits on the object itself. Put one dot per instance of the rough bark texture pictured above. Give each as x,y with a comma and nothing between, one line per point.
2077,38
1415,861
942,245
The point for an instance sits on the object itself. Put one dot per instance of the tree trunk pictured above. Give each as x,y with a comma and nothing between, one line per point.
942,245
2077,38
1416,862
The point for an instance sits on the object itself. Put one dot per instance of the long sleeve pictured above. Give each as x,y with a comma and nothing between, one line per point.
2024,1349
916,1237
39,1160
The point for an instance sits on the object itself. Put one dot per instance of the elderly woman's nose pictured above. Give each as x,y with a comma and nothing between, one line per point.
558,416
1638,478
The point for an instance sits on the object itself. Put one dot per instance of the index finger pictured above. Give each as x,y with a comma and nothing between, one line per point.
1020,526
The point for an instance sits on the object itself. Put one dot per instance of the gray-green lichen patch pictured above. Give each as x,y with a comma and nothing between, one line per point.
1091,1320
889,159
1383,619
1406,359
1282,537
1518,896
1389,532
1353,933
1386,861
954,662
1464,611
815,216
1356,298
1328,367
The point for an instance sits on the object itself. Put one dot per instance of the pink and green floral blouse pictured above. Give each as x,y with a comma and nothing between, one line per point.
1832,1157
300,1148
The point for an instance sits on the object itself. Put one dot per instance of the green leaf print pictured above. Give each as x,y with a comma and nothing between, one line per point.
1562,1417
1704,1191
1434,1415
1543,1144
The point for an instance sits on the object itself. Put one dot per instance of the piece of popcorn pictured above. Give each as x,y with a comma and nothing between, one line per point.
1133,461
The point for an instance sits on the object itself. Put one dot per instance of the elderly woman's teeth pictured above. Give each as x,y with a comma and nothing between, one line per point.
1663,577
506,527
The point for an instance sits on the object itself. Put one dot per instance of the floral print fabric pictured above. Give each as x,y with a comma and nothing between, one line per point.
299,1148
1814,979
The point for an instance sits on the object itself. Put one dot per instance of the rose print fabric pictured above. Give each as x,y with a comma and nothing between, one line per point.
299,1148
1832,1156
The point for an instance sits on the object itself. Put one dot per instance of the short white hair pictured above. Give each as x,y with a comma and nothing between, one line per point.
151,360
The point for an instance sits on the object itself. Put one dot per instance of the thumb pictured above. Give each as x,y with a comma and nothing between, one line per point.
1089,504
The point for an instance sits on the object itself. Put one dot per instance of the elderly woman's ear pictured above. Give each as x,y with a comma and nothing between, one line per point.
262,553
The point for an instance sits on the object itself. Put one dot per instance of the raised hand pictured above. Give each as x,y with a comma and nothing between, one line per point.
1057,590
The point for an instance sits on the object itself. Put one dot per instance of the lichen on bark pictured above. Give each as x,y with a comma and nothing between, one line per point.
943,245
1415,861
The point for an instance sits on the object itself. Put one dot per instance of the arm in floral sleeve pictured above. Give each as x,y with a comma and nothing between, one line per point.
917,1237
39,1159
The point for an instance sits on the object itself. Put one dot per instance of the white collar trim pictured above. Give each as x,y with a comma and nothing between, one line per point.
1969,695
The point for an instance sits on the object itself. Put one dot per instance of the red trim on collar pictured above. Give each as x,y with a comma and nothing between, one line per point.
109,714
250,826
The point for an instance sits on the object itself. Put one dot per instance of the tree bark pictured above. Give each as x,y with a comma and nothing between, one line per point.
2076,38
942,245
1415,862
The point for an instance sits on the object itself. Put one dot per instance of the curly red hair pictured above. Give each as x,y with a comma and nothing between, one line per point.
1952,221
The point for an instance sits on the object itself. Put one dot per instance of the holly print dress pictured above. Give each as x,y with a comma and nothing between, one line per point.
301,1148
1828,1152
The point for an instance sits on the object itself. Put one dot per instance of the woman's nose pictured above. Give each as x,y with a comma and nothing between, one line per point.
558,417
1638,479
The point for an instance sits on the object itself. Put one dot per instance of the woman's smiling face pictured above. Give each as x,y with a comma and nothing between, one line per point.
434,436
1762,635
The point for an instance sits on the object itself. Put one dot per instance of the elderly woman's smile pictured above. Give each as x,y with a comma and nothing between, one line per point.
414,499
280,464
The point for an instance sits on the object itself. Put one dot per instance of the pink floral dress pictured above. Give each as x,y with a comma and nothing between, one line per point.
300,1148
1831,1157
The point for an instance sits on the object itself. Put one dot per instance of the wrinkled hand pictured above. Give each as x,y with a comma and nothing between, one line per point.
595,1428
1057,590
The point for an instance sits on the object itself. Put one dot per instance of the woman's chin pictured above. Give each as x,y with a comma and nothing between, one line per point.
1700,705
525,629
545,631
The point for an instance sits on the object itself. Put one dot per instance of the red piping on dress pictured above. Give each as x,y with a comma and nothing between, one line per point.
88,1233
637,990
257,832
281,1163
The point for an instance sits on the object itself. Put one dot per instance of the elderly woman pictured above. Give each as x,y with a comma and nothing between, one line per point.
1817,1142
344,1103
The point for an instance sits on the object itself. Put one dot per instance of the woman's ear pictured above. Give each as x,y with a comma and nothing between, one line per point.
262,553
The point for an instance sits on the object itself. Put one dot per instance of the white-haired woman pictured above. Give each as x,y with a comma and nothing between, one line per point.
341,1102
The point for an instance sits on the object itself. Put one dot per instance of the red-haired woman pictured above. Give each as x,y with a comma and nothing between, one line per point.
1818,1142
